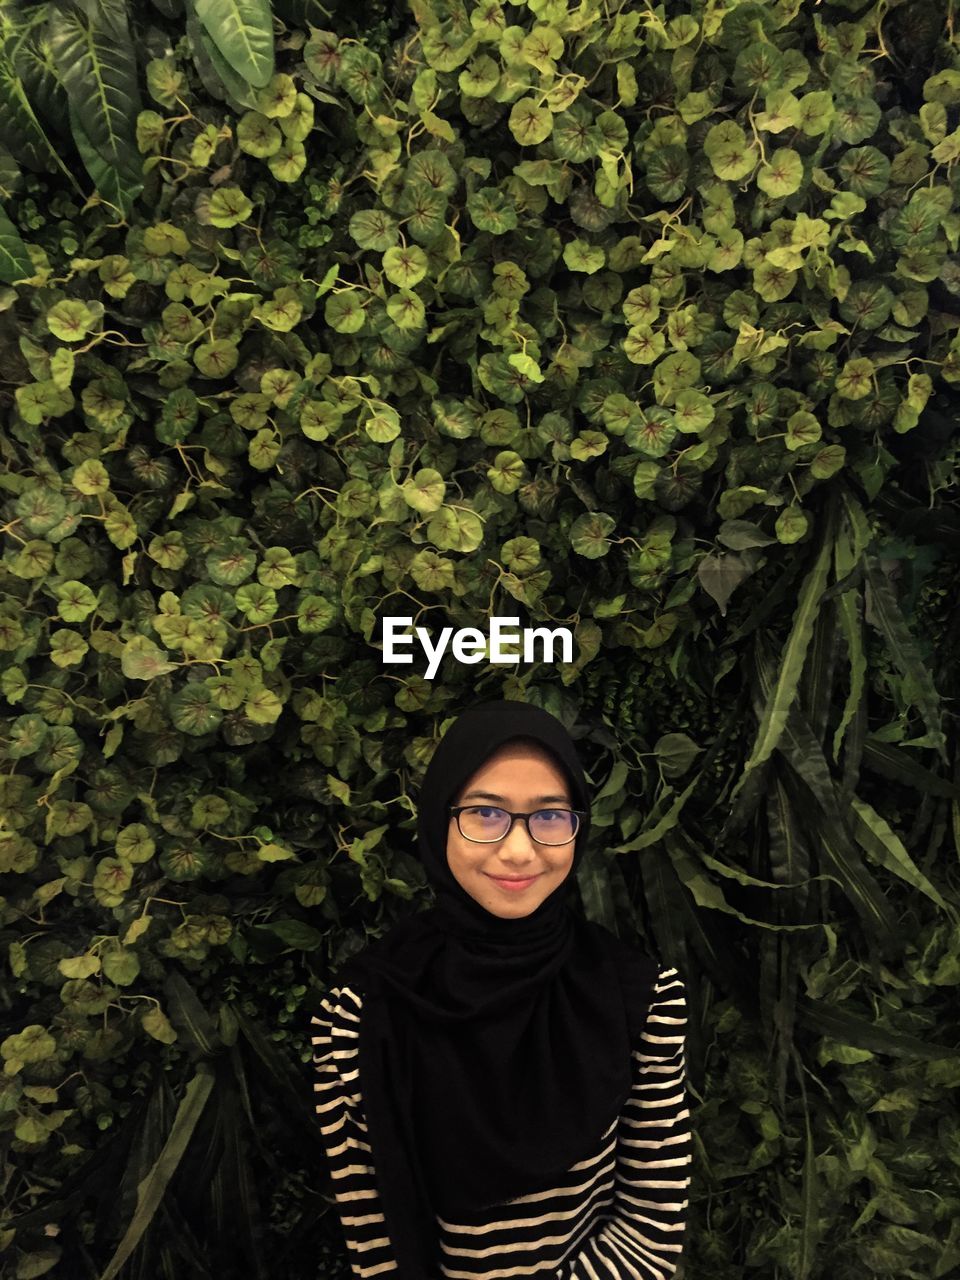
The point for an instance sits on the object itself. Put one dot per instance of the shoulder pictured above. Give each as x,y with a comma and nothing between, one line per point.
339,1009
669,986
665,1024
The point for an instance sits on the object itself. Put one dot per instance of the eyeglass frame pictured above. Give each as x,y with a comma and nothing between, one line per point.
455,811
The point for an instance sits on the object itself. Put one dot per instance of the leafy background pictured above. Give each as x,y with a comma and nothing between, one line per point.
639,320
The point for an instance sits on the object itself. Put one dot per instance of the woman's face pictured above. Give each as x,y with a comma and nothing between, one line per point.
521,779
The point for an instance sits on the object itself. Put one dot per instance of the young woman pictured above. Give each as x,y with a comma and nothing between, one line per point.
500,1082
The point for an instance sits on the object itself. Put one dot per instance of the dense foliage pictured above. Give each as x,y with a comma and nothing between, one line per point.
641,320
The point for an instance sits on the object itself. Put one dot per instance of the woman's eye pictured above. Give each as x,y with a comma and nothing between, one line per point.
552,814
486,811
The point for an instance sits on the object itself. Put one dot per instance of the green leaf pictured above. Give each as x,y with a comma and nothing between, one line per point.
676,753
151,1189
228,207
774,718
192,710
589,534
374,229
884,612
782,174
242,31
530,123
405,266
141,659
75,601
728,152
15,262
121,966
70,320
97,65
257,135
581,256
864,170
874,834
866,1033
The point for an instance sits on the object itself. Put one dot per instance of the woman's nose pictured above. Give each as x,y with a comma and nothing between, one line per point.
517,841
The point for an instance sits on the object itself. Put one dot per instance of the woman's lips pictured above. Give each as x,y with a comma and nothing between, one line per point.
513,885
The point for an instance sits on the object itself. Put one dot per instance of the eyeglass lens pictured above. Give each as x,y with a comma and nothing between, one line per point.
547,826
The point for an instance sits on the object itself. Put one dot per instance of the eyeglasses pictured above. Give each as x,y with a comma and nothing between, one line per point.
485,824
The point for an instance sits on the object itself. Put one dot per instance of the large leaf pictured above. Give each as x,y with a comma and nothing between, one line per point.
899,766
243,32
150,1191
112,185
863,1033
825,817
810,1193
783,694
888,617
875,835
593,878
15,262
20,130
97,63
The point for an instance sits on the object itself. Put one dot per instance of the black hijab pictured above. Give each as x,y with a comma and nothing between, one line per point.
493,1052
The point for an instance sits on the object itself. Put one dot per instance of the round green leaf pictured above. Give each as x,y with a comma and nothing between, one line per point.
193,711
828,461
278,96
506,474
728,152
121,966
455,529
318,418
135,843
692,411
70,320
216,359
344,311
855,380
233,565
782,174
791,525
529,123
579,255
405,265
490,210
802,429
425,490
228,207
374,229
263,706
90,478
289,161
480,77
141,659
589,534
258,136
865,171
383,423
314,614
667,171
75,601
67,647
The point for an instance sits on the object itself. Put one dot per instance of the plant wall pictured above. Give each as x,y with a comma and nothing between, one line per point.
640,320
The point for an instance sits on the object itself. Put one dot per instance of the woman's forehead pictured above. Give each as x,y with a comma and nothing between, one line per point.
516,766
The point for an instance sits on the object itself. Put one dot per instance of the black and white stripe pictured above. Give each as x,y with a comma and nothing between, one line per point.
617,1215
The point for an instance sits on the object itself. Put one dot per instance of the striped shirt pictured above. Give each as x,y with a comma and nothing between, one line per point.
617,1215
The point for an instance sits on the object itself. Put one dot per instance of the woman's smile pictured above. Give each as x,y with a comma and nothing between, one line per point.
513,884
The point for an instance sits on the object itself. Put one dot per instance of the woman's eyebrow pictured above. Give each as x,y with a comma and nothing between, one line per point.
490,795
